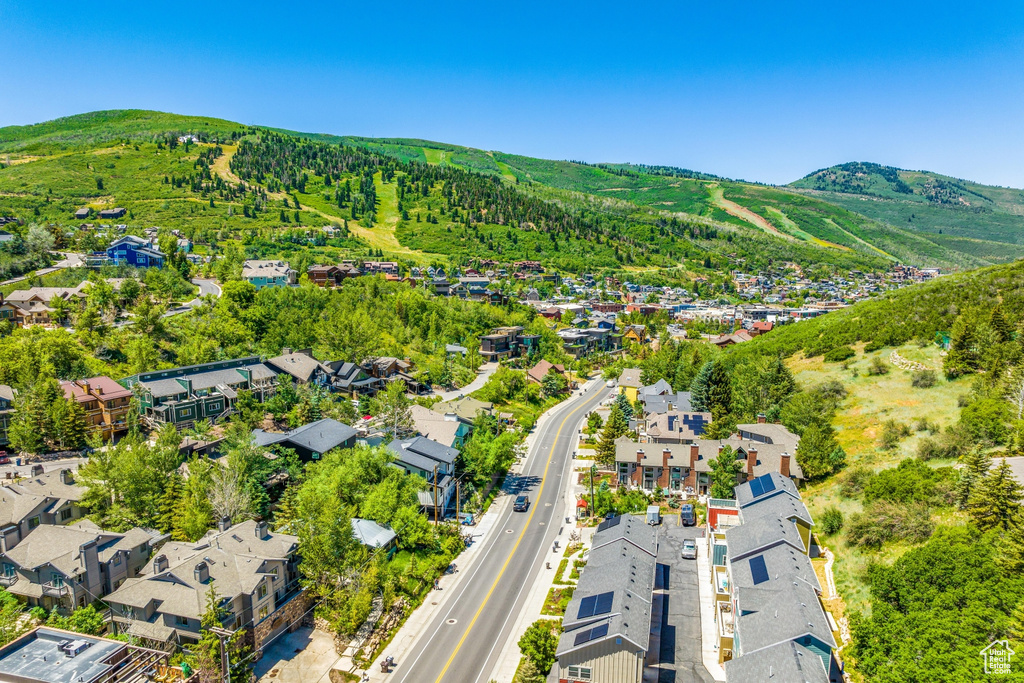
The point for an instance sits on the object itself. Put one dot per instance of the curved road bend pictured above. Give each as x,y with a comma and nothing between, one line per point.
486,604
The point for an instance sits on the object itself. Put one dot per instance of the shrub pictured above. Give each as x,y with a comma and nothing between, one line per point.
923,424
840,353
873,345
911,481
831,521
878,367
540,642
883,521
924,379
892,433
854,481
985,421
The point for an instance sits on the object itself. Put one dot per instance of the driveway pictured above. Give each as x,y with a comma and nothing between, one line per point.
485,372
305,656
680,653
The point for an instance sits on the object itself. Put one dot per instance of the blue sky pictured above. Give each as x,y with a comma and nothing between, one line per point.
760,91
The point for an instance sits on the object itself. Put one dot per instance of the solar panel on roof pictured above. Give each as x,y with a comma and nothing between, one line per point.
591,634
758,570
755,488
604,603
609,523
587,607
767,483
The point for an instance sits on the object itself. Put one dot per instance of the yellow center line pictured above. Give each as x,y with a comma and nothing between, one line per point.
533,509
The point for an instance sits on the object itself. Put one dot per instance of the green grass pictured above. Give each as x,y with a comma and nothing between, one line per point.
556,601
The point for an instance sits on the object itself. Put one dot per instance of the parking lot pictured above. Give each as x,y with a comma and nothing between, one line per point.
676,584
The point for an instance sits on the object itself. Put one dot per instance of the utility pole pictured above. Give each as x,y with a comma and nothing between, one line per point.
593,502
435,495
225,663
458,518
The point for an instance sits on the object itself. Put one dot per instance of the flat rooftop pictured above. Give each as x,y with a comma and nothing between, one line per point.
38,656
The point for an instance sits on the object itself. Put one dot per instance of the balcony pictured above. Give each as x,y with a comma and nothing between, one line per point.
8,580
54,590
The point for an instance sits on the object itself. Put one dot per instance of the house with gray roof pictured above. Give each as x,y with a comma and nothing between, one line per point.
42,499
607,624
301,366
181,396
772,484
374,535
431,460
310,441
788,661
675,427
754,536
353,380
447,429
658,404
71,566
253,570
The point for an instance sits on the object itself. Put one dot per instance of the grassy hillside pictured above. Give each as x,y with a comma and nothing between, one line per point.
958,214
610,216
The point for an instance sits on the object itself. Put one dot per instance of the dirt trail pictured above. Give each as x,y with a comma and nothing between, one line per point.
743,213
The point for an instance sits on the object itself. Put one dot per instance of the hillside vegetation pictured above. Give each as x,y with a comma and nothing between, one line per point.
958,214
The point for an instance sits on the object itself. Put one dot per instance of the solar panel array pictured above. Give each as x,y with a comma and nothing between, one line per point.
593,605
762,485
758,570
591,634
609,523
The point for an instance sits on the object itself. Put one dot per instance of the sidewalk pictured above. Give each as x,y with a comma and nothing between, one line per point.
708,627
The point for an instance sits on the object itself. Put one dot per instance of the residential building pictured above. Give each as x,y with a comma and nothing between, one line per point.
629,383
538,372
117,212
6,411
302,367
181,396
351,379
635,333
607,624
383,267
83,213
68,567
134,251
466,408
660,404
105,402
448,429
50,498
674,427
390,369
434,462
50,655
507,342
253,570
324,276
311,441
374,535
263,273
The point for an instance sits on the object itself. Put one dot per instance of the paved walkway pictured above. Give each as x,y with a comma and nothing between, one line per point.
305,656
485,372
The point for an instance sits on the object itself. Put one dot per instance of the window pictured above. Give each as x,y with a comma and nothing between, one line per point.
263,591
9,569
580,673
181,621
65,515
117,560
33,523
263,612
186,412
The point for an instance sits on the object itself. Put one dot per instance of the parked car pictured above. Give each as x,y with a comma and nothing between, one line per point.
689,549
687,515
610,384
5,460
521,504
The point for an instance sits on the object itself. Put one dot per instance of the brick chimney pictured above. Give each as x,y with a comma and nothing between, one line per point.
784,465
694,455
666,454
639,456
751,461
85,385
761,419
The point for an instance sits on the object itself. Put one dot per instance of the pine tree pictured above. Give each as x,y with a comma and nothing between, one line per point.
724,470
962,357
975,465
67,418
615,427
207,650
711,391
624,407
699,389
195,512
816,452
1000,328
169,503
995,501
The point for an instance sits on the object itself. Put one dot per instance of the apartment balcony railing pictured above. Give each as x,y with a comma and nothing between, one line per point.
54,590
8,580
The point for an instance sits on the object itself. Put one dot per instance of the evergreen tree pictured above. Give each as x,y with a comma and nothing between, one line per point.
195,513
208,650
962,357
995,501
1000,328
816,449
68,424
615,427
169,503
624,406
975,465
711,391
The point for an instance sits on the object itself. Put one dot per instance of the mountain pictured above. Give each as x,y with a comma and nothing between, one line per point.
979,220
247,187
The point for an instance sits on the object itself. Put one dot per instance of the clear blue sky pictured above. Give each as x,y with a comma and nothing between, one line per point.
762,91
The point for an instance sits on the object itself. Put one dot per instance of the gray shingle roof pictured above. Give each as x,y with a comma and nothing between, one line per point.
424,447
781,485
783,506
769,617
301,366
371,534
783,565
630,377
786,662
761,534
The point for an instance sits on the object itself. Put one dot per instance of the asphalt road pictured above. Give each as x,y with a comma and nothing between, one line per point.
462,642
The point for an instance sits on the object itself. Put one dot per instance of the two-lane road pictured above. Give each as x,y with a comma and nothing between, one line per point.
462,642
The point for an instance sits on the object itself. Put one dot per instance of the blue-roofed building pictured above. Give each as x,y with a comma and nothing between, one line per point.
135,251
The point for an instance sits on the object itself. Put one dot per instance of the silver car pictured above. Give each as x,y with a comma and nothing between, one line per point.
689,549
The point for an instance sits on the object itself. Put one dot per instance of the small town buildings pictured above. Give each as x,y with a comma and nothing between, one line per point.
302,367
311,441
434,462
117,212
373,535
635,333
6,411
607,625
263,273
629,383
466,408
253,570
181,396
83,213
507,342
674,427
134,251
71,566
105,402
447,429
538,372
352,380
41,499
50,655
390,369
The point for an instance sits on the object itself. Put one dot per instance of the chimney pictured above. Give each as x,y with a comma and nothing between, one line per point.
224,524
99,391
286,351
261,530
751,460
761,419
666,454
160,564
202,572
784,465
67,477
9,537
639,455
85,385
694,455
